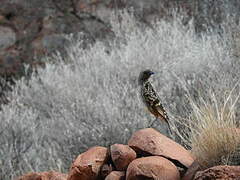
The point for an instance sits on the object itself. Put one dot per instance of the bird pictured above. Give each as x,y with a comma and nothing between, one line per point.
150,98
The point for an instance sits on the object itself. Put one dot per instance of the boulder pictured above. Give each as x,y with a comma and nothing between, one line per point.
122,155
153,167
116,175
88,165
51,175
151,142
219,172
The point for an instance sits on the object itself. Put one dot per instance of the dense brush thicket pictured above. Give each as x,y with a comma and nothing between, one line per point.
91,96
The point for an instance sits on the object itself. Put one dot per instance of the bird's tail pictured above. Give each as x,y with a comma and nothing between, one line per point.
169,127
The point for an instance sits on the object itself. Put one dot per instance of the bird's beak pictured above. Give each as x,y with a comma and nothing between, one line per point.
152,73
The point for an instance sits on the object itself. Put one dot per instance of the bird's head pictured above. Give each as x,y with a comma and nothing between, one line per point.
144,76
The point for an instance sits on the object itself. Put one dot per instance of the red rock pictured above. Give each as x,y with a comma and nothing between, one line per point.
87,166
152,167
220,173
116,175
122,155
51,175
151,142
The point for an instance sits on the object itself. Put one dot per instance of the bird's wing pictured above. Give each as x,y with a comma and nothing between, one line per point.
150,95
161,111
152,98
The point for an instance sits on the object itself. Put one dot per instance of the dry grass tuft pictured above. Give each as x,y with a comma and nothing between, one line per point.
214,135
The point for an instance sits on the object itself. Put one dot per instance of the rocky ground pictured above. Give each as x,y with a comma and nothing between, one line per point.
31,30
148,155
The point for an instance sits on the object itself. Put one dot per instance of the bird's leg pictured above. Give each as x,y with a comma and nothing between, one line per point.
152,122
169,127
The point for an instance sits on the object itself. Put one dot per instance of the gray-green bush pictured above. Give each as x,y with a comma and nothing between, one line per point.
91,97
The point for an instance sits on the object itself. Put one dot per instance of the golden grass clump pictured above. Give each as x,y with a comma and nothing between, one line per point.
214,136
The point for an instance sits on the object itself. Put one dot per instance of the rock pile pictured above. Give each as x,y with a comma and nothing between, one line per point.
148,155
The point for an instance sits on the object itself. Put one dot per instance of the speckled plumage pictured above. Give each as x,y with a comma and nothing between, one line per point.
150,98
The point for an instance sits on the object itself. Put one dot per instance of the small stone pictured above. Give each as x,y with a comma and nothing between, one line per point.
88,165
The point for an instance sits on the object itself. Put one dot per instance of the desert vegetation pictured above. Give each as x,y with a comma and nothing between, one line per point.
90,96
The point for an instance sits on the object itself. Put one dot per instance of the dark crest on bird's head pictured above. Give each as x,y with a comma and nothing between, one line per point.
144,76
